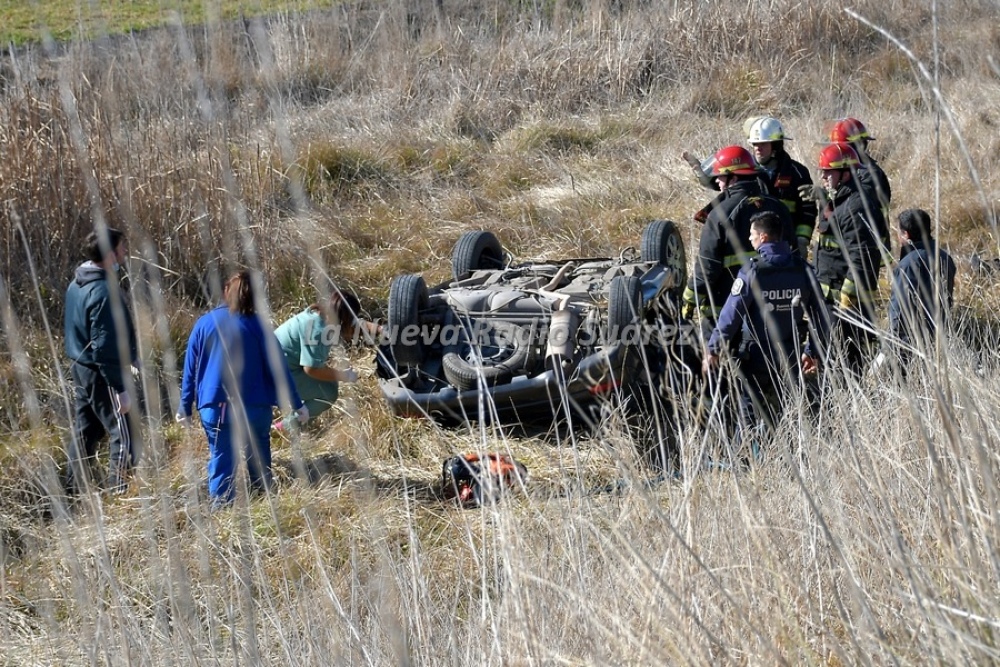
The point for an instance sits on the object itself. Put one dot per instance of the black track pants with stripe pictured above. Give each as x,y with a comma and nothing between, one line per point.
95,413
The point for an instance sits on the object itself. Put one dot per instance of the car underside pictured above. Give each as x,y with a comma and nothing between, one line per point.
517,343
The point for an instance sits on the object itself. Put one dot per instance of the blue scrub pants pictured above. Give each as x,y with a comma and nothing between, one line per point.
234,430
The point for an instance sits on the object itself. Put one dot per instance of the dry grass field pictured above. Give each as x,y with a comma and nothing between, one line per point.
358,142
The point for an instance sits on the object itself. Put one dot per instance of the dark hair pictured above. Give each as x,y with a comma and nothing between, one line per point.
769,224
99,243
916,222
348,308
238,293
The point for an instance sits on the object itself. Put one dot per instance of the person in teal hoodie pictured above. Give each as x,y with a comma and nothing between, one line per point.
234,374
306,340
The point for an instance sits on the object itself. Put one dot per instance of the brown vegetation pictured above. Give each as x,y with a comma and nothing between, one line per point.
358,143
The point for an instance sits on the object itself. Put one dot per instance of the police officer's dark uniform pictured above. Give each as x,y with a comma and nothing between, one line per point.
761,323
723,247
848,254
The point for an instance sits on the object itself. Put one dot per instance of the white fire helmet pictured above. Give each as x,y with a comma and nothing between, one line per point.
765,130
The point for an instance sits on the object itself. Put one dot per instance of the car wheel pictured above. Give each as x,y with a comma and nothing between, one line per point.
662,243
506,349
624,307
474,251
407,297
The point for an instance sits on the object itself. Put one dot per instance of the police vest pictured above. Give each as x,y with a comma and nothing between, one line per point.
778,298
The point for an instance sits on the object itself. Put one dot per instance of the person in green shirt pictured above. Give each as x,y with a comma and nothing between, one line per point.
306,340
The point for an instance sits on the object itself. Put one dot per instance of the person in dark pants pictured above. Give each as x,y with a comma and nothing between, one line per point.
923,285
100,342
762,320
848,254
723,246
234,373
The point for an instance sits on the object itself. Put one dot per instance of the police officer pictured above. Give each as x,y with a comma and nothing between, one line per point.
848,254
723,247
786,178
923,284
762,320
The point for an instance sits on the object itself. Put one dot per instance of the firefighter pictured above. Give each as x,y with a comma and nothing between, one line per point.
762,323
786,178
724,245
848,254
853,132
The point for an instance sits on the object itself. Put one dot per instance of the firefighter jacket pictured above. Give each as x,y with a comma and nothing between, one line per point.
922,288
786,176
873,176
848,255
766,311
725,242
874,179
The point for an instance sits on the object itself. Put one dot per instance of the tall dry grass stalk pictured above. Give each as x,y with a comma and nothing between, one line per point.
358,143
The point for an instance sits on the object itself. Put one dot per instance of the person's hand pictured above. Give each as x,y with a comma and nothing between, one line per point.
690,158
814,192
709,363
124,403
809,365
302,415
182,419
687,310
349,375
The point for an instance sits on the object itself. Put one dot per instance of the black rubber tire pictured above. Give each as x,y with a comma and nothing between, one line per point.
464,375
474,251
624,306
407,297
662,243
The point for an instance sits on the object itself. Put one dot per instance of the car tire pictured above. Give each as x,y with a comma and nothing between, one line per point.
476,250
662,243
407,297
624,307
464,375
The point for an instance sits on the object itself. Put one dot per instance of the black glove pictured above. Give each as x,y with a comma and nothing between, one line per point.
803,247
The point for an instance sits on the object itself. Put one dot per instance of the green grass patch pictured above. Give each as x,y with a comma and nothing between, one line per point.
25,22
329,170
557,138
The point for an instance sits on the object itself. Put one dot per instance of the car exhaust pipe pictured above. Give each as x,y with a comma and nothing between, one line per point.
562,338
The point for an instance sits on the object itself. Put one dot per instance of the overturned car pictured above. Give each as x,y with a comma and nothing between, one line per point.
517,342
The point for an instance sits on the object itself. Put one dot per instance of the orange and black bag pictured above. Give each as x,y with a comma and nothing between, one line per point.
476,479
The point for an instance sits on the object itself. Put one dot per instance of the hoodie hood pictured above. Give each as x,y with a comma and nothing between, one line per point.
89,272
